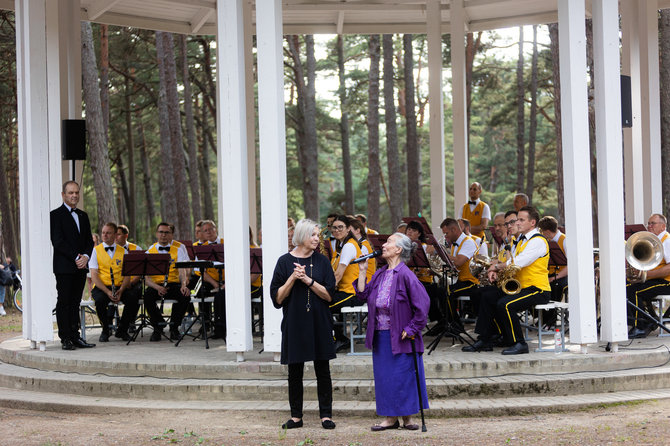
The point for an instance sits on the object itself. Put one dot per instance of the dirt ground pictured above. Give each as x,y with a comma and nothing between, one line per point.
634,424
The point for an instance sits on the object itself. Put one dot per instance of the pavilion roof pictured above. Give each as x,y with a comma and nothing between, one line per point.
321,16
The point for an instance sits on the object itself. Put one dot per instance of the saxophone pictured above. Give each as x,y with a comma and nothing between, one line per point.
507,278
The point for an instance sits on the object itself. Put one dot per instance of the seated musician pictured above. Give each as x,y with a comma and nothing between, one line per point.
401,228
482,245
657,283
122,233
520,200
476,211
558,275
174,285
106,264
358,230
363,219
416,234
463,249
210,282
531,254
500,231
256,279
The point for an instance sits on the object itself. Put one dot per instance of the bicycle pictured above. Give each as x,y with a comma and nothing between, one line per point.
18,286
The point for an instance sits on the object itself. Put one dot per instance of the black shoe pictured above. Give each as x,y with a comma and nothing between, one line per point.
342,345
328,424
381,427
67,345
638,333
122,334
174,334
517,349
290,424
80,343
104,337
156,336
479,346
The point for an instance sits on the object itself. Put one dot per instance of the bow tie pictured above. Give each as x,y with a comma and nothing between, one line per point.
73,210
455,244
472,202
109,248
163,248
522,238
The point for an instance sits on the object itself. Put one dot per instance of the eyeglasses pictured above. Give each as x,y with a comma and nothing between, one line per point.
510,223
165,232
653,223
338,228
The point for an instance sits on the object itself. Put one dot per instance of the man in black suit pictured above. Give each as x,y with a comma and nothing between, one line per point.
73,243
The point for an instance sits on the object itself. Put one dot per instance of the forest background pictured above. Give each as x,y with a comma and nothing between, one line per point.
356,117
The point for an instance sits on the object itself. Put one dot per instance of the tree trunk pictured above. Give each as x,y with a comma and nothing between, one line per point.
130,148
144,159
100,169
104,78
193,171
592,131
344,130
306,129
205,179
184,226
374,169
412,145
395,184
556,80
520,124
7,228
532,132
167,184
664,43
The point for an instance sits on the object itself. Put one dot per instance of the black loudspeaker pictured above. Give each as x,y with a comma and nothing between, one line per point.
626,104
73,138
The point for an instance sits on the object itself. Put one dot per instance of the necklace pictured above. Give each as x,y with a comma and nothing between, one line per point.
311,268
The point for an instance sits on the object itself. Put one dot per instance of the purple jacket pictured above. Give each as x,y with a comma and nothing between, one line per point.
409,307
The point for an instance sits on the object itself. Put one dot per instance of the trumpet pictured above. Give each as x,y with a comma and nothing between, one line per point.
644,252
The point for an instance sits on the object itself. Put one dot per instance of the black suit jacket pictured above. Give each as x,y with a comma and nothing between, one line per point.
67,241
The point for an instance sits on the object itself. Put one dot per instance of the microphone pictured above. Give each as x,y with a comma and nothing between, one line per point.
360,259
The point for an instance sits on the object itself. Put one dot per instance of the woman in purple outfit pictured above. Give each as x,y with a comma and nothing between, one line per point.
397,311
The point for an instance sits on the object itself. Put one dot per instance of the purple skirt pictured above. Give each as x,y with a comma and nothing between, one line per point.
396,393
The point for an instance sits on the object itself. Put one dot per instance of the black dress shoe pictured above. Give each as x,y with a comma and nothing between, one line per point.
479,346
80,343
122,334
174,335
517,349
290,424
67,345
381,427
328,424
638,333
156,336
104,337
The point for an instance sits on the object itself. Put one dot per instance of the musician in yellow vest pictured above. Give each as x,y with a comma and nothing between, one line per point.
414,230
463,249
122,232
531,254
657,283
476,211
363,219
558,275
210,236
358,231
110,286
482,244
174,285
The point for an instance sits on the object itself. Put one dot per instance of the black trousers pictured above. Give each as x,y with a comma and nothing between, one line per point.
324,388
130,299
69,289
151,299
641,294
219,321
486,325
461,288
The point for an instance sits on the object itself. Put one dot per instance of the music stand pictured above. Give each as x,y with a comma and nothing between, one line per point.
422,221
632,229
143,264
202,265
188,244
556,255
215,254
377,241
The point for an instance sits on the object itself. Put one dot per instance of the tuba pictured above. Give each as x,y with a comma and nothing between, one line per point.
644,252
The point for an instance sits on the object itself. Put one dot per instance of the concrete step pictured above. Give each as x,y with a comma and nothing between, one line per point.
46,401
275,389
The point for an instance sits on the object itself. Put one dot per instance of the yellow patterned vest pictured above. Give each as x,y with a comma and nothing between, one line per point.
474,216
105,262
464,274
561,244
662,264
350,274
173,274
536,274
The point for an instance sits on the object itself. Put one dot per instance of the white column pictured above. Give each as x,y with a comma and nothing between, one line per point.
632,137
251,113
436,115
650,107
459,105
272,139
232,168
613,327
575,135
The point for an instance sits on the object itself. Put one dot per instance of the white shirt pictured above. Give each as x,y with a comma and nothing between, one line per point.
467,246
182,253
486,212
535,248
74,215
347,254
666,247
565,245
93,263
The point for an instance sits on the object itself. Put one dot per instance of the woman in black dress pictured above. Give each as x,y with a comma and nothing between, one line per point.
302,285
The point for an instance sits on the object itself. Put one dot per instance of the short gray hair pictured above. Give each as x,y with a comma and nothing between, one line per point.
406,244
303,230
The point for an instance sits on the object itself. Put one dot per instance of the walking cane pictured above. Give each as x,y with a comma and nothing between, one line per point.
418,386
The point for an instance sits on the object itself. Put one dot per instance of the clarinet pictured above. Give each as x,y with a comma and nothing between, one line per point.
167,274
111,273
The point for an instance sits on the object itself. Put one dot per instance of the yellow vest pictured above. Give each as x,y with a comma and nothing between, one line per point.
132,246
662,264
561,244
350,274
173,274
370,231
474,216
536,274
105,262
464,274
372,263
